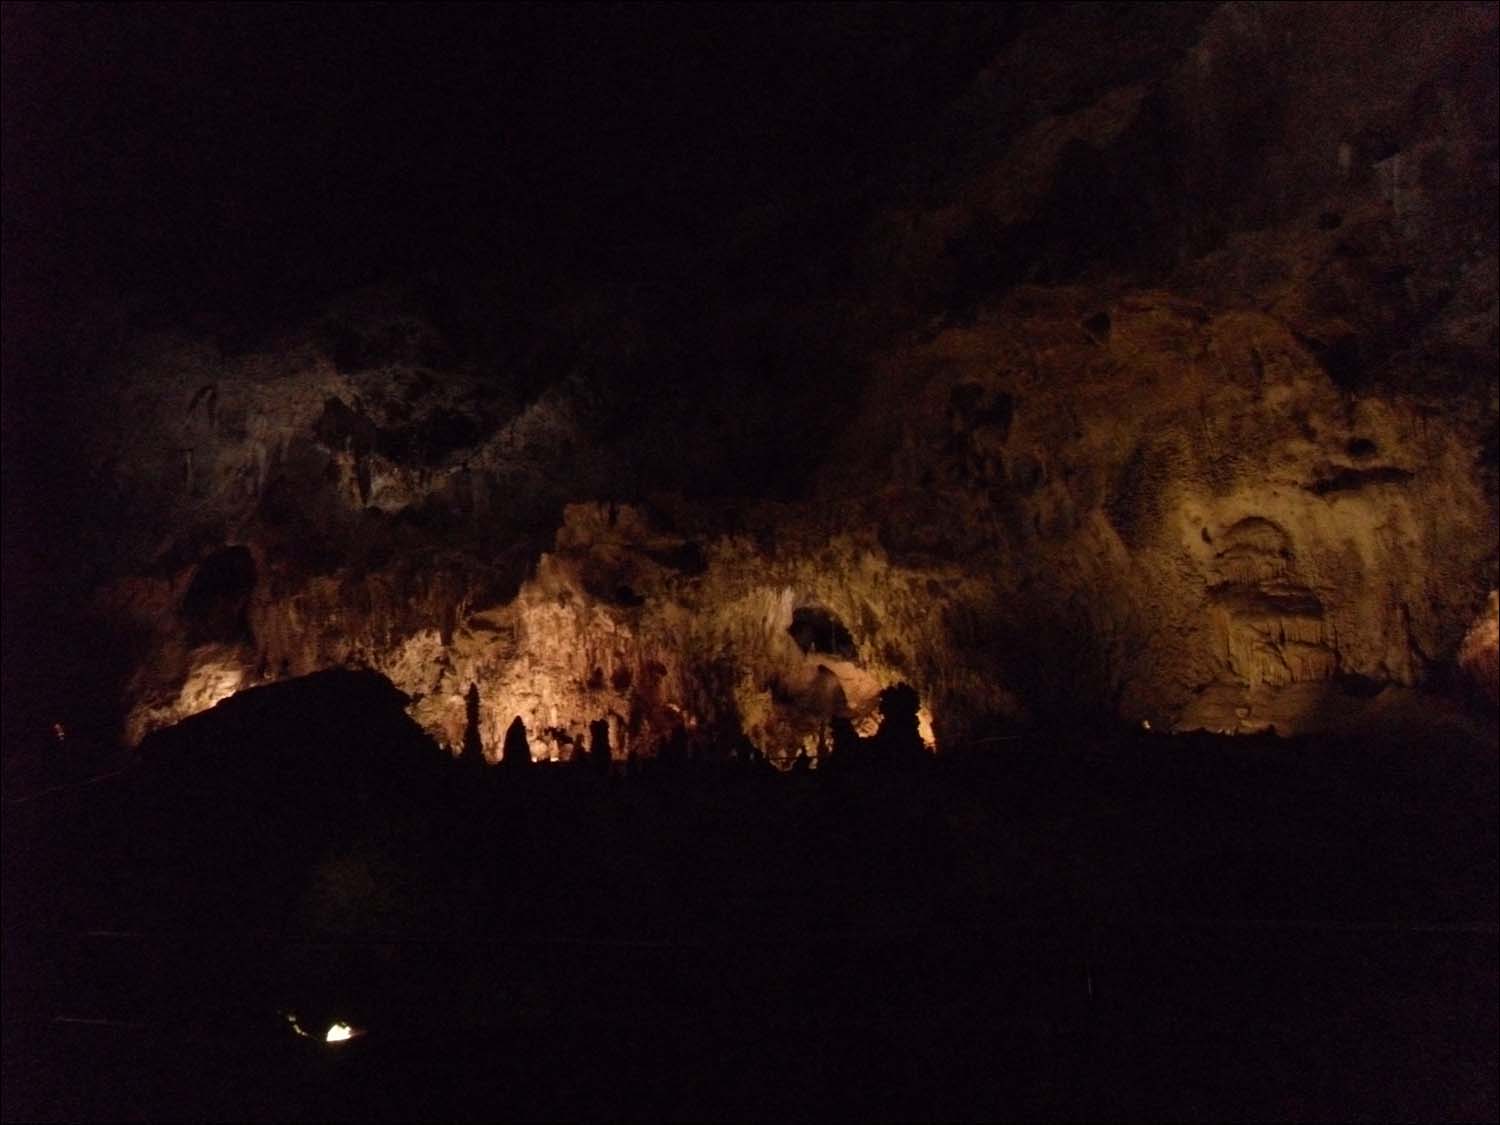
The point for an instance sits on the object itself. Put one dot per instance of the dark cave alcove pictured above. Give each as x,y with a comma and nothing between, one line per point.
819,630
214,606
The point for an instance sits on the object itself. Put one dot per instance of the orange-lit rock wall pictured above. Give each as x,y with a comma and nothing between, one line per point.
1480,654
1177,403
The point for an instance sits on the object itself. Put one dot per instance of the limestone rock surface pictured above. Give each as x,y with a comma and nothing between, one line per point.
1170,398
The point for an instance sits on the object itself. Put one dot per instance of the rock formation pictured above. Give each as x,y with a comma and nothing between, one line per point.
1480,653
1168,394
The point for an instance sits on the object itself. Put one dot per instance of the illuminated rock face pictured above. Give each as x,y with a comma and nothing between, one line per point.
1182,410
1230,526
653,634
1480,653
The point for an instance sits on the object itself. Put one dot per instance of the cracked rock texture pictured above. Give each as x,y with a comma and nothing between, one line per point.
1162,387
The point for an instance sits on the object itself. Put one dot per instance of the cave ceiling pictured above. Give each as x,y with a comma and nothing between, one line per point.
692,370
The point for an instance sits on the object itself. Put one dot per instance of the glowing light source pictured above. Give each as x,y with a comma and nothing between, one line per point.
339,1032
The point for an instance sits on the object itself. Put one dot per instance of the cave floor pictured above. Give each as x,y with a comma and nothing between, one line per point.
1176,929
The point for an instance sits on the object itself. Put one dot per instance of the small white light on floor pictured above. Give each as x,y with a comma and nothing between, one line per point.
338,1033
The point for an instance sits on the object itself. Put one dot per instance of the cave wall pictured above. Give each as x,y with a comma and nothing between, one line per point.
1183,519
1172,399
